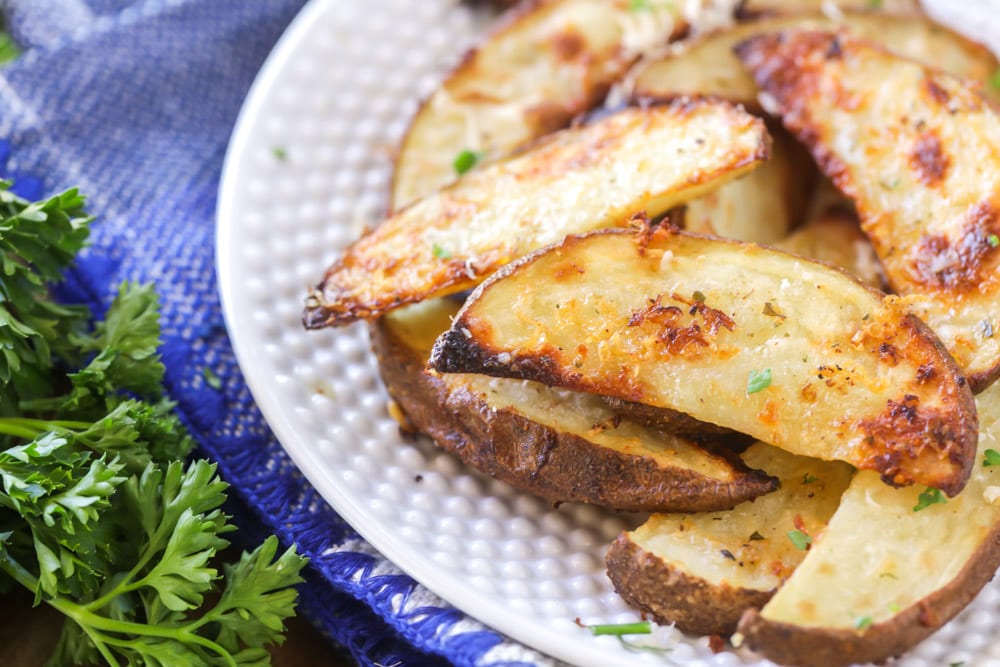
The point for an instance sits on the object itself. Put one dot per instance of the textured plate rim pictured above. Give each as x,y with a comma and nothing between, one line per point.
240,328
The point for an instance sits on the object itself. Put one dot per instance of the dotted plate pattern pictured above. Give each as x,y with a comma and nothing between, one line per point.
308,168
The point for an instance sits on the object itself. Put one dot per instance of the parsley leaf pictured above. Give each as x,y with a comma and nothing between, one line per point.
862,622
928,497
799,540
466,160
440,253
995,79
758,381
993,240
991,457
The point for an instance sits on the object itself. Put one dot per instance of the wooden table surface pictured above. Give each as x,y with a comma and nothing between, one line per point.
28,635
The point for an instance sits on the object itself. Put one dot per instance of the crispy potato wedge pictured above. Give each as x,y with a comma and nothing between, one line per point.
835,237
577,180
884,575
702,571
542,65
761,206
789,351
708,65
753,9
919,153
557,444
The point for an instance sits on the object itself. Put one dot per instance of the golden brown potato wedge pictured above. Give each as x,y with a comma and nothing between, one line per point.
577,180
752,9
789,351
919,153
557,444
542,65
708,65
761,206
835,238
702,571
892,566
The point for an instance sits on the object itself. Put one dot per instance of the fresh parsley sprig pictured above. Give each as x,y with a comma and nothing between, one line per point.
99,515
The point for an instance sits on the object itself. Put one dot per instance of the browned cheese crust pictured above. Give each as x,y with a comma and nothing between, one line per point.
671,595
919,153
534,457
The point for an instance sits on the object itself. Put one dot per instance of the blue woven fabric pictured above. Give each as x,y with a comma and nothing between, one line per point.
133,101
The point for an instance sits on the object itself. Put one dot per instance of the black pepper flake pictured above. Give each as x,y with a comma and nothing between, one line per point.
728,554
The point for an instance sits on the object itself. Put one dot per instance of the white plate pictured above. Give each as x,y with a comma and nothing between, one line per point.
307,168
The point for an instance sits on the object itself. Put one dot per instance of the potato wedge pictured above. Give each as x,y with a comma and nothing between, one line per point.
919,153
577,180
835,238
702,571
761,206
708,65
542,65
557,444
789,351
884,575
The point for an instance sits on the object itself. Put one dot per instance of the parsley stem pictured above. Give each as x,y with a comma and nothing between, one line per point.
16,430
85,618
640,628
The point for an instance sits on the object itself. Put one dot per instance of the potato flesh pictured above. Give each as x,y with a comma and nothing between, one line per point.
564,411
759,207
919,153
708,66
878,556
697,544
581,179
835,238
530,77
682,322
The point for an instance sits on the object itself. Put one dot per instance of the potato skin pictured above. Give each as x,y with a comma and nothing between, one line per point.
673,421
670,595
799,646
532,457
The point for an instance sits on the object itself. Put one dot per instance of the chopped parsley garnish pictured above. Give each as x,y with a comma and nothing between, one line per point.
466,160
8,49
440,253
991,458
993,240
995,79
799,540
928,497
862,622
809,478
698,296
639,6
211,379
756,536
618,629
279,153
894,608
758,381
875,4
